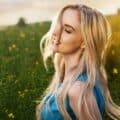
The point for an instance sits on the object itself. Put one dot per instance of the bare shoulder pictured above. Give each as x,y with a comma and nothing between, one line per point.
76,88
74,93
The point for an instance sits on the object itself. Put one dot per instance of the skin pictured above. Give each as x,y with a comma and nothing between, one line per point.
69,40
69,44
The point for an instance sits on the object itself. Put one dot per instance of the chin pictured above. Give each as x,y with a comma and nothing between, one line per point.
55,49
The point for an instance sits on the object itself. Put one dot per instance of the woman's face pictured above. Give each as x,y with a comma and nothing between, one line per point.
68,40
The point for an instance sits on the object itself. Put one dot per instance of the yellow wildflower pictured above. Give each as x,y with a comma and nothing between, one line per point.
113,52
115,71
13,46
22,35
21,94
10,48
26,90
37,63
36,101
11,115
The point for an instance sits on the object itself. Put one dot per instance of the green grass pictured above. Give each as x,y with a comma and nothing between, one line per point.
23,77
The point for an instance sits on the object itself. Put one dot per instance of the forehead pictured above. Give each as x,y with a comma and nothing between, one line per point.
71,17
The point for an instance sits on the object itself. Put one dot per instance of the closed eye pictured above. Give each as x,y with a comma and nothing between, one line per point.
68,31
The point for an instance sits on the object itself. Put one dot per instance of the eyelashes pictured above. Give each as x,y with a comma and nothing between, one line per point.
65,30
68,31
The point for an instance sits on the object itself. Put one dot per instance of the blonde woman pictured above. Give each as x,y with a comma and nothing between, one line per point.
78,41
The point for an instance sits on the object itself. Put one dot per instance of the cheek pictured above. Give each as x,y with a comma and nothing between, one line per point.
69,44
68,39
71,39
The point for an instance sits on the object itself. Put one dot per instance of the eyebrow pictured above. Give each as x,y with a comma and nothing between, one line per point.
67,25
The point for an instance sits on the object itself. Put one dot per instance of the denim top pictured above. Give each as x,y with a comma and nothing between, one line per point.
52,112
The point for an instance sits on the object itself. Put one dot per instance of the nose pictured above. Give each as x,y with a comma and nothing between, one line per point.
55,39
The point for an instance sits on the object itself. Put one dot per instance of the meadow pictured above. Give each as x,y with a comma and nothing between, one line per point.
23,77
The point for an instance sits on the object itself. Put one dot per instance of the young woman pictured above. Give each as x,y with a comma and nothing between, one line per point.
78,41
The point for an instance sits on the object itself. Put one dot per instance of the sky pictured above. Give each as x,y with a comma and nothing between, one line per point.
42,10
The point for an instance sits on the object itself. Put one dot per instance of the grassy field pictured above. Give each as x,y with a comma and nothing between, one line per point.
23,77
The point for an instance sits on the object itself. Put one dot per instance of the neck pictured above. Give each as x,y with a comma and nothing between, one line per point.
71,61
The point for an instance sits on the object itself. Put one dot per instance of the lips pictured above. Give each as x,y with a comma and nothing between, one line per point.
55,47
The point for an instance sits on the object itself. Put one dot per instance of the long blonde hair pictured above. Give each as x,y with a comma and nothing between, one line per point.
96,33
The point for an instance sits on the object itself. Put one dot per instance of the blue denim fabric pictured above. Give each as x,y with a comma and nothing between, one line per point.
52,113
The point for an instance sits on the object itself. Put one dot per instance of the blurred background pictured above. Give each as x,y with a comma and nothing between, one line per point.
23,77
